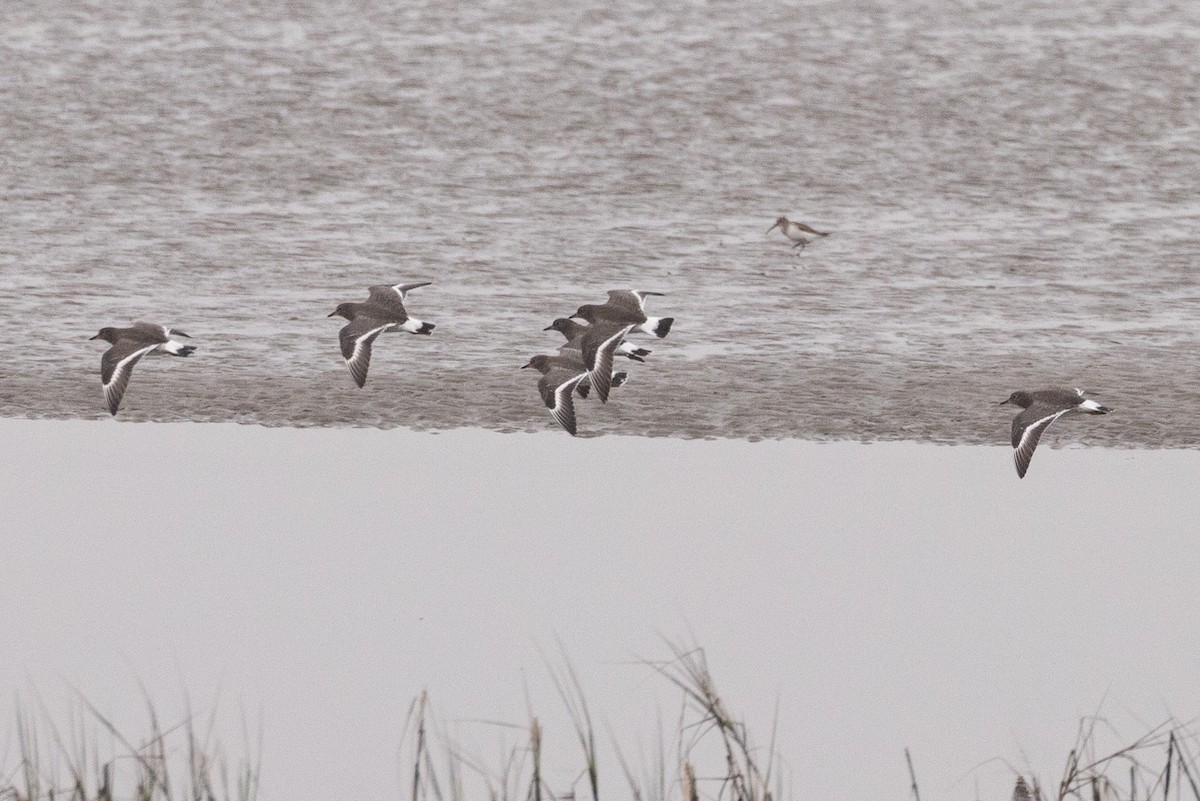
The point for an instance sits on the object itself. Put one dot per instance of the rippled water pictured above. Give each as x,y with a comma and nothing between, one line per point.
1011,187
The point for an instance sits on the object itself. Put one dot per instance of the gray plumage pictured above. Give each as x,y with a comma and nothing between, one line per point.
1040,408
626,307
383,311
599,346
128,346
559,379
574,333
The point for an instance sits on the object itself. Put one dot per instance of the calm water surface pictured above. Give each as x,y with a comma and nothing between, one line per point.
1011,187
865,597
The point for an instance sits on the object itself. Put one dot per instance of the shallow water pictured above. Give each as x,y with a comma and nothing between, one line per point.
1011,191
872,596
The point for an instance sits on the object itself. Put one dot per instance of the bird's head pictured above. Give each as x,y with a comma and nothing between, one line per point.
586,312
1018,398
107,334
780,223
564,326
539,363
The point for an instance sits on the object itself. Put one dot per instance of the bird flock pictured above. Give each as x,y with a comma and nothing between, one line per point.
596,334
585,362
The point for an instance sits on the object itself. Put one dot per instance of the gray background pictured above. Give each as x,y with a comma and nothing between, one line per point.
886,595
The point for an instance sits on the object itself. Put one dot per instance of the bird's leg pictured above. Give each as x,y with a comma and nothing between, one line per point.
801,244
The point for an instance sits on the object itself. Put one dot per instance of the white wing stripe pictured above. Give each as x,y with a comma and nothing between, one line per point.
1034,429
358,343
564,408
114,389
124,363
601,373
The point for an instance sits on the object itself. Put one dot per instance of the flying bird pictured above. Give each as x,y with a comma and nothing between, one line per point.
383,311
1040,408
128,346
559,380
626,307
574,332
599,346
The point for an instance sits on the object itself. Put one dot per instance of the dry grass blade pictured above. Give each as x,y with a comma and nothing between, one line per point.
687,783
571,692
420,718
912,774
634,787
1089,773
1188,772
89,777
688,671
1167,773
522,773
535,749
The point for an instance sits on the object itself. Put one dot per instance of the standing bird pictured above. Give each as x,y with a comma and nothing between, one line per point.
798,232
1041,408
626,307
128,346
574,332
382,311
559,378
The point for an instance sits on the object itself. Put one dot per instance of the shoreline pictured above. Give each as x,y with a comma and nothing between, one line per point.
1049,443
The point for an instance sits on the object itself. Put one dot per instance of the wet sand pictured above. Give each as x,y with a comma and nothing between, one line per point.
1011,191
886,595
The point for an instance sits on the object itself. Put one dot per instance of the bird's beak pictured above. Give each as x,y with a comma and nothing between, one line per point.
332,313
523,366
773,227
95,337
548,328
1006,400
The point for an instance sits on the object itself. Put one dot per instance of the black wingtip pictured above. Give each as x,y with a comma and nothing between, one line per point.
426,328
664,327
